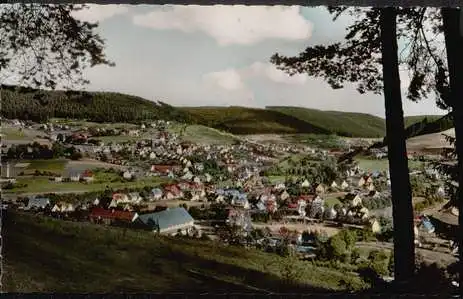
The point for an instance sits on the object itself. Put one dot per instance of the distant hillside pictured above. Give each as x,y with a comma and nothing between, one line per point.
294,120
410,120
243,120
424,125
340,123
40,105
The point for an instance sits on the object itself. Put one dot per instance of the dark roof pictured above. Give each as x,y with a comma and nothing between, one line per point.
167,218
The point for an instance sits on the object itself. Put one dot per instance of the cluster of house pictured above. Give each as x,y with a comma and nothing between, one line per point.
166,221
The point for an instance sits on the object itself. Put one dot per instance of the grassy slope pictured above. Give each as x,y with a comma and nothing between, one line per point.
42,185
47,255
117,107
340,123
410,120
293,120
202,134
242,120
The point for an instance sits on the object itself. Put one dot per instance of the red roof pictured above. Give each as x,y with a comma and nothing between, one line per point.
161,168
87,173
112,214
172,188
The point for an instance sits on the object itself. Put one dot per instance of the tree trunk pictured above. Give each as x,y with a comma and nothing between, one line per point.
402,209
453,30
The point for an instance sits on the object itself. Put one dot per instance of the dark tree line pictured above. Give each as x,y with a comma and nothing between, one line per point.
40,105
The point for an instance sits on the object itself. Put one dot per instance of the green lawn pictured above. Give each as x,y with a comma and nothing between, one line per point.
330,201
202,134
52,165
13,134
84,123
44,185
48,255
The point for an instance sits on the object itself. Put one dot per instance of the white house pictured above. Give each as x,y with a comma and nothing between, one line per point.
361,182
127,175
320,189
334,185
208,177
440,191
356,201
280,186
305,184
197,180
284,196
344,185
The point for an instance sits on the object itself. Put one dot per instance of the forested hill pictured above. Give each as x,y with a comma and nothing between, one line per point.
40,105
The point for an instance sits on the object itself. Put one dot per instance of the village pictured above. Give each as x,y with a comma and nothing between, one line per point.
273,196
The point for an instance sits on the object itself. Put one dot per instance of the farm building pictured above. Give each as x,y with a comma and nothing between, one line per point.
169,221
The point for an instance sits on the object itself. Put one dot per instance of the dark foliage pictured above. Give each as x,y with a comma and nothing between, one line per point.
40,105
44,44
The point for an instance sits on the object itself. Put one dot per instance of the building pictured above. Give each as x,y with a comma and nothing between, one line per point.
111,216
169,221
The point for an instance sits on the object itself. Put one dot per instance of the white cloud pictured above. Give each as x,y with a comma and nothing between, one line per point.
234,79
99,13
229,79
243,25
269,71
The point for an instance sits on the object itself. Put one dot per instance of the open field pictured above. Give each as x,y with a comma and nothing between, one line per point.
91,164
88,124
13,133
383,164
40,185
47,255
340,123
202,134
429,141
55,166
300,227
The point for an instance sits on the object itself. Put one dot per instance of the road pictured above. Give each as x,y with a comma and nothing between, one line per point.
432,256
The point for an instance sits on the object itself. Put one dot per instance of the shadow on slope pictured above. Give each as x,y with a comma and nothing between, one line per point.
47,255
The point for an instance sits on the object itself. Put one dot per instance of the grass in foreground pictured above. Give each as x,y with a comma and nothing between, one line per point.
48,255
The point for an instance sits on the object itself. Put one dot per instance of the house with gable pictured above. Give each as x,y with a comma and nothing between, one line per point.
156,194
100,215
353,199
172,191
344,185
305,184
320,189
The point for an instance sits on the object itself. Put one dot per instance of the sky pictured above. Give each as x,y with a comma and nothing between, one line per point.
219,56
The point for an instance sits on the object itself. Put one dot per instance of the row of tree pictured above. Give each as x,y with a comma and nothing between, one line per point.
40,105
